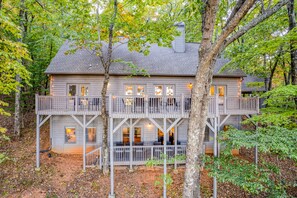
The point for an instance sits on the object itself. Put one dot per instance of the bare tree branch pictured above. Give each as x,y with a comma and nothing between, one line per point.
255,22
234,11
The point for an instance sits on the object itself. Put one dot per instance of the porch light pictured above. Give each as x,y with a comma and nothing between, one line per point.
190,85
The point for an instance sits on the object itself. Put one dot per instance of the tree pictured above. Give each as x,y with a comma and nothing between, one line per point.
11,52
276,134
265,50
208,53
135,23
293,48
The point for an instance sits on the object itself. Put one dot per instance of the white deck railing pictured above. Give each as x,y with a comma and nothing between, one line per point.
94,158
47,104
144,106
141,154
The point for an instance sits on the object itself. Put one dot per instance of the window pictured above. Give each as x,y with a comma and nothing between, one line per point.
91,135
140,90
72,90
70,135
220,90
158,90
137,134
134,90
78,89
129,90
84,90
169,90
126,135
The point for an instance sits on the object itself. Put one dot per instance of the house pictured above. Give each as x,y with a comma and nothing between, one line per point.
144,112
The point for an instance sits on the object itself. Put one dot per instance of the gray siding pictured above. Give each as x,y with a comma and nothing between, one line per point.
117,87
58,135
117,84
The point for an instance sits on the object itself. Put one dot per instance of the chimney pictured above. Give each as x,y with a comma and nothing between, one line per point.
179,43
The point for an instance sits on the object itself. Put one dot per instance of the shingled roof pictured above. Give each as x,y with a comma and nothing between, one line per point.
161,61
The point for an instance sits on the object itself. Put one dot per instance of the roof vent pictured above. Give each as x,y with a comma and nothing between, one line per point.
179,43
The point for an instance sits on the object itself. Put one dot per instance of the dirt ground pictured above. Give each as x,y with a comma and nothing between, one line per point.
62,176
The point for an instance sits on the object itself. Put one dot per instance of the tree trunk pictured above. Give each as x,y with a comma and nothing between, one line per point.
106,66
17,120
293,52
17,112
208,52
104,114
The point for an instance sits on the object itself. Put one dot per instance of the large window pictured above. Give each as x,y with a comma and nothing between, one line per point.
91,135
78,89
166,90
126,135
70,135
135,90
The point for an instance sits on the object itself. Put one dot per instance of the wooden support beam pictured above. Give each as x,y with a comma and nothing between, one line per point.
224,120
44,120
136,122
210,127
77,120
93,118
156,124
173,124
119,125
181,121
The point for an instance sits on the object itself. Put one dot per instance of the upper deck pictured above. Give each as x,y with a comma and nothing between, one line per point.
143,106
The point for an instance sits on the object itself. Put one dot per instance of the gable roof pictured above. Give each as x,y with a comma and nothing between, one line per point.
161,61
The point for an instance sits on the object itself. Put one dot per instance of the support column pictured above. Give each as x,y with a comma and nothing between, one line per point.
111,194
175,146
37,143
84,143
165,158
215,154
130,138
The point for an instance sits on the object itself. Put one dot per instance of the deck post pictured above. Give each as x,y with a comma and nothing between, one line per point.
37,143
36,103
215,153
165,159
225,104
175,146
84,142
130,137
76,103
111,194
182,105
